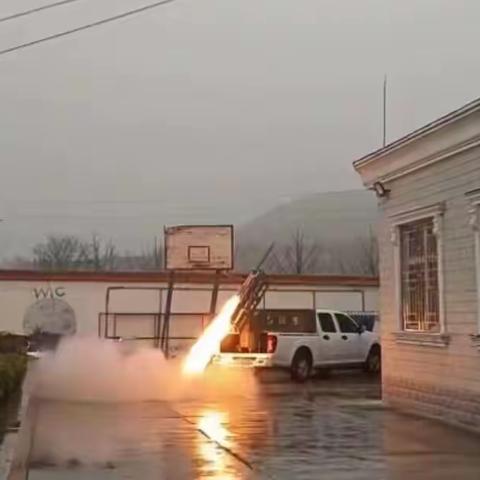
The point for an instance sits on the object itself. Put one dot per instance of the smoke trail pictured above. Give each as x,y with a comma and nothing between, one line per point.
90,369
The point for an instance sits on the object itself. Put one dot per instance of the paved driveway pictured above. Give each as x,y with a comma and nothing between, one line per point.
332,428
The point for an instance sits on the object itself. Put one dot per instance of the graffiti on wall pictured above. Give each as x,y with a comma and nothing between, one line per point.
48,292
50,313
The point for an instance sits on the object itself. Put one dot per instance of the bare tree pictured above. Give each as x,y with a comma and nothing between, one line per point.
102,255
157,254
61,252
298,257
343,258
275,264
150,258
18,263
67,252
110,256
369,256
357,257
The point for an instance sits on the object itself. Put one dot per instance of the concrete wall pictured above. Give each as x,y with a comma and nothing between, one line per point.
444,380
23,301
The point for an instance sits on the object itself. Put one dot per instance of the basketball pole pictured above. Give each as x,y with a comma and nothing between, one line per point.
214,298
168,310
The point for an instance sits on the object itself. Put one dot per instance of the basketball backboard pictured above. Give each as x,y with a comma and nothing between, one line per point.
199,247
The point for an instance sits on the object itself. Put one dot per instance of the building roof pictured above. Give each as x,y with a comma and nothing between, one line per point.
181,277
449,118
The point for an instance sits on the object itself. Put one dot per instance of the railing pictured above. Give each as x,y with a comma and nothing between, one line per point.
147,328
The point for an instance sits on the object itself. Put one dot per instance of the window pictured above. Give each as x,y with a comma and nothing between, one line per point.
419,276
417,236
474,221
327,324
346,324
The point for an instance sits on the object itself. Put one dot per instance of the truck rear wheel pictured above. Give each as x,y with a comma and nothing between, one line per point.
301,367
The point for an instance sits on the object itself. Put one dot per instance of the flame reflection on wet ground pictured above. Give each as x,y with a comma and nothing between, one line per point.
334,429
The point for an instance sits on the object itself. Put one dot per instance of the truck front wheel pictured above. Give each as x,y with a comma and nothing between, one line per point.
301,367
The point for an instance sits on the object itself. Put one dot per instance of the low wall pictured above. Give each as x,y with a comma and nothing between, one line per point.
74,302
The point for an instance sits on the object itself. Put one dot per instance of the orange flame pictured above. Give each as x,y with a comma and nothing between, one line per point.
209,343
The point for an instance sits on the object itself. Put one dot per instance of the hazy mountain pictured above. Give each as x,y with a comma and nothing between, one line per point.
324,219
323,216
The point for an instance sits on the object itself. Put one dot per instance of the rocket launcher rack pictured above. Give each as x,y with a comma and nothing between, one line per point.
251,293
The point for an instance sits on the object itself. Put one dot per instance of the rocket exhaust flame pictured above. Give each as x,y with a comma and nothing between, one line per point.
208,344
238,306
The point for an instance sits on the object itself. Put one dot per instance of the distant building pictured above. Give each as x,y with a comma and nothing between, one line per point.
428,184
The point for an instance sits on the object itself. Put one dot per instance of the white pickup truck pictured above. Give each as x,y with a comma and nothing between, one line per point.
301,341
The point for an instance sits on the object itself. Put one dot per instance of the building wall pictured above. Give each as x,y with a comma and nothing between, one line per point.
439,381
22,301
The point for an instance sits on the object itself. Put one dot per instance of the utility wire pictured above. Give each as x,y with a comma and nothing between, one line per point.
85,27
35,10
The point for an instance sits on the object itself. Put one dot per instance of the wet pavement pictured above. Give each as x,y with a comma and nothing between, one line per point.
333,428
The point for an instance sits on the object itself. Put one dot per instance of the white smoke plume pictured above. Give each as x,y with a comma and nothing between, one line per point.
91,369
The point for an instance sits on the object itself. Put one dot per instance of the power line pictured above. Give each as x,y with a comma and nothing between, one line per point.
92,202
35,10
85,27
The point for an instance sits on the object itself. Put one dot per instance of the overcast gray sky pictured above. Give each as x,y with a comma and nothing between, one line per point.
212,110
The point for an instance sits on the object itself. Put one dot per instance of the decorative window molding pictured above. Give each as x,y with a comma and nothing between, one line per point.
394,235
473,198
473,219
397,220
436,211
422,338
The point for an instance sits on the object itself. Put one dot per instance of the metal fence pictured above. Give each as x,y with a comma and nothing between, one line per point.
173,331
150,329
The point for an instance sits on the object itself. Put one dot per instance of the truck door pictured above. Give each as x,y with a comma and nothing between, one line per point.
328,339
349,345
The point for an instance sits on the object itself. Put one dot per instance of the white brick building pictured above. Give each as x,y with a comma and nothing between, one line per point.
429,197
